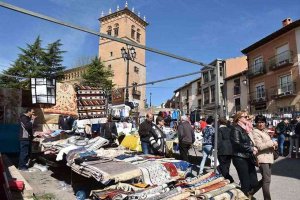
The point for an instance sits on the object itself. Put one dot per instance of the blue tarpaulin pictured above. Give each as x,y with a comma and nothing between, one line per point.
9,138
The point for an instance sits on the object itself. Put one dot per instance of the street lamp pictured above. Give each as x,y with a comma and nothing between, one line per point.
128,54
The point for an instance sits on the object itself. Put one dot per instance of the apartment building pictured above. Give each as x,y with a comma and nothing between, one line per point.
236,85
187,98
273,74
208,86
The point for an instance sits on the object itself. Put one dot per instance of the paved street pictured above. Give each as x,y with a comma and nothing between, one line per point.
285,183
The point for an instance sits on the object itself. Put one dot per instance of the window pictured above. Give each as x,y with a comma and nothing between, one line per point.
282,54
205,77
199,103
260,91
237,103
136,69
257,65
206,95
109,30
111,54
116,30
285,84
237,87
288,109
133,32
109,67
212,75
213,93
138,35
134,88
221,69
187,94
198,88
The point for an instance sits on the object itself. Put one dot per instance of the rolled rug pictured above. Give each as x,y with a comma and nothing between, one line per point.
216,192
183,195
234,193
212,187
198,178
241,195
207,184
223,196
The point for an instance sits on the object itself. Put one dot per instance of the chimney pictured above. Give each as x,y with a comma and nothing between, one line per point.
286,22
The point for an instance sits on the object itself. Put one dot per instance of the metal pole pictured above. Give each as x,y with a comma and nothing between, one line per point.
217,97
127,79
150,100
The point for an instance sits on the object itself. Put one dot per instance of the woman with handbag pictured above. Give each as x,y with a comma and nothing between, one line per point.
265,156
244,153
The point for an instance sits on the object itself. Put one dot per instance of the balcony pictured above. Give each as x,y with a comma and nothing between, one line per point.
256,69
258,97
280,60
284,90
136,92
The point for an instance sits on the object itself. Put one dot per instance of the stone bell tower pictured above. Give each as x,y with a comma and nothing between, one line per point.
128,25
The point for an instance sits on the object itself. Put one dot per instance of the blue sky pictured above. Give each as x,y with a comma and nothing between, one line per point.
202,30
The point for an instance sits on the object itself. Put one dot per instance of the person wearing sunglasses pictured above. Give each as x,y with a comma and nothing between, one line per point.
243,153
265,157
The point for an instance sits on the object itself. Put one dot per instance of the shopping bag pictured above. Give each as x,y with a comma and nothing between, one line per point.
212,160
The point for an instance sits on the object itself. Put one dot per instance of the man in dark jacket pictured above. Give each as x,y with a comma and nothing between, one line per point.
186,138
297,135
109,130
145,134
224,149
26,136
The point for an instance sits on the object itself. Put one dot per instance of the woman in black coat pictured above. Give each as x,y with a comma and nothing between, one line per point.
224,149
243,153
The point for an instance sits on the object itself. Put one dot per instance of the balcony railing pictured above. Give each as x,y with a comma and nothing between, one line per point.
257,69
280,60
284,90
136,92
258,97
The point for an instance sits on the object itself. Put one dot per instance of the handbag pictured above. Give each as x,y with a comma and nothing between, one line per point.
275,154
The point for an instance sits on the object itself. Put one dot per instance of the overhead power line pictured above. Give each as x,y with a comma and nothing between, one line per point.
50,19
162,80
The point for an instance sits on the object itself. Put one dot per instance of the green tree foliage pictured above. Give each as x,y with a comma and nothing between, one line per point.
34,61
97,75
